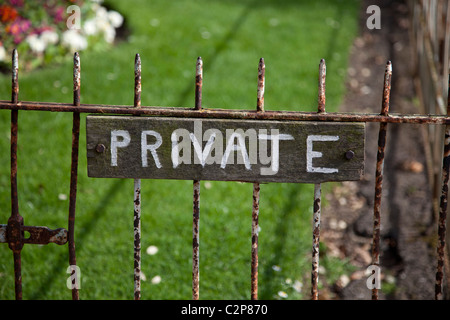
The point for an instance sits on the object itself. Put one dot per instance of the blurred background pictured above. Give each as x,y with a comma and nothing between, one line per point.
230,36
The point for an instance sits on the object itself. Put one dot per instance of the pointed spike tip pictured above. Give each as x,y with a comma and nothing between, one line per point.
389,66
137,63
15,58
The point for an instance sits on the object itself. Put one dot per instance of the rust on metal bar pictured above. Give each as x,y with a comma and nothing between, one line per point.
256,189
379,174
195,241
322,77
196,194
225,113
198,83
137,81
137,239
137,191
255,231
14,232
74,168
261,86
442,223
37,235
317,195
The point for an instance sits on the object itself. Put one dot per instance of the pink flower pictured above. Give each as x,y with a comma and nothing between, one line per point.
59,14
16,3
19,26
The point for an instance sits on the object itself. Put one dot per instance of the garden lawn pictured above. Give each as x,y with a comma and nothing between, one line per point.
230,36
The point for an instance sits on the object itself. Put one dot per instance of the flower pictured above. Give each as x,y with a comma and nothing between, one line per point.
7,13
19,26
2,53
40,26
90,27
49,37
36,44
16,3
151,250
156,279
276,268
298,286
59,14
115,18
73,40
109,34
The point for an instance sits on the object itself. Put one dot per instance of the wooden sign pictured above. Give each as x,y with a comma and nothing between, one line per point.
222,149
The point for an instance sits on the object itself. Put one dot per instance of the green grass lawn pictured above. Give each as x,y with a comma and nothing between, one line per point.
230,36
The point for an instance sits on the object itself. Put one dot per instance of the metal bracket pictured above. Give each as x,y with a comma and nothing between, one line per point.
37,235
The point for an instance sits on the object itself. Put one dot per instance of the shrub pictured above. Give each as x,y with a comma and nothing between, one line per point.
43,31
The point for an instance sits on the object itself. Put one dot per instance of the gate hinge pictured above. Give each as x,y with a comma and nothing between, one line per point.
37,235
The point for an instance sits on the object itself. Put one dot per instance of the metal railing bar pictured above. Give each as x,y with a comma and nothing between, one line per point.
318,194
379,174
256,190
137,191
226,113
196,194
74,171
443,208
15,222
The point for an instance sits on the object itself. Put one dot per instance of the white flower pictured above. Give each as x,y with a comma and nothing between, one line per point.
101,13
156,279
298,286
115,18
36,43
152,250
90,27
49,37
109,34
282,294
2,53
73,40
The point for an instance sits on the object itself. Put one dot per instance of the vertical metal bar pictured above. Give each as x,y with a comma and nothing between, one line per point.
15,222
317,195
255,226
137,192
443,207
74,170
196,196
198,83
322,80
256,189
379,174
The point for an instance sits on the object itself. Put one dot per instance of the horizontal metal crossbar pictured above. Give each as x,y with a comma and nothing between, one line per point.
225,113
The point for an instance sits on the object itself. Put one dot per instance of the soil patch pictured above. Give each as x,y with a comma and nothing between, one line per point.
408,229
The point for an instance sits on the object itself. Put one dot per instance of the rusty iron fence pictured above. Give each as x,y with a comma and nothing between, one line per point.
430,37
13,233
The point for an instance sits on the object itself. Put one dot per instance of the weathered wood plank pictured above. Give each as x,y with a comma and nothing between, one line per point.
226,150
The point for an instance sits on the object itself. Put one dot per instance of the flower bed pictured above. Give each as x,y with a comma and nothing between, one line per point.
47,31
